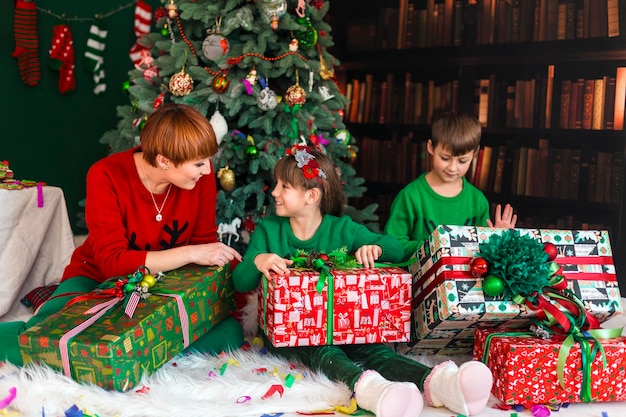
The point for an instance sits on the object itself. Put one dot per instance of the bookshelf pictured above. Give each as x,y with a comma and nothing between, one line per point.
546,79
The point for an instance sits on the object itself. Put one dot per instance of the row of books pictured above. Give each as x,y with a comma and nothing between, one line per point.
559,173
397,160
583,103
433,23
393,100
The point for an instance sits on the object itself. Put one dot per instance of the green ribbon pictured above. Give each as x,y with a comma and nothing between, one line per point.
294,121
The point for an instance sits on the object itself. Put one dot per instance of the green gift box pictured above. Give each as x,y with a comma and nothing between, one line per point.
115,351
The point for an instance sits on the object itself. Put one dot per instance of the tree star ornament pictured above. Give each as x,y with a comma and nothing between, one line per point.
181,83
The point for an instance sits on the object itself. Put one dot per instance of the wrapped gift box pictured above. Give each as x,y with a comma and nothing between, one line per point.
525,369
447,296
356,306
116,350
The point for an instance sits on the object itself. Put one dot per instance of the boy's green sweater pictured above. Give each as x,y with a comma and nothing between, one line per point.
274,235
417,210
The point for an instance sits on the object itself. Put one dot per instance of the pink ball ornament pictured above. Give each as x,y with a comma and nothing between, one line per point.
478,267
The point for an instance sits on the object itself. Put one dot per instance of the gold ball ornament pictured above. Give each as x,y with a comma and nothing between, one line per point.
350,157
148,280
181,83
227,178
295,95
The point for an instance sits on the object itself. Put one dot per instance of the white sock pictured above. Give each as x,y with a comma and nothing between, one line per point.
464,390
386,398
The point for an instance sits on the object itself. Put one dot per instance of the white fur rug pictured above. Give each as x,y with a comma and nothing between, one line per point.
243,383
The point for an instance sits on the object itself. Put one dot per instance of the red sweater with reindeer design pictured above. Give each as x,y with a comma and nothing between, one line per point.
120,217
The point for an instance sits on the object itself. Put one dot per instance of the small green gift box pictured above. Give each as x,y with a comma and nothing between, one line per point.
116,350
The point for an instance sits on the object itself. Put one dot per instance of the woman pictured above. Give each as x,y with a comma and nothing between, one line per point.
151,205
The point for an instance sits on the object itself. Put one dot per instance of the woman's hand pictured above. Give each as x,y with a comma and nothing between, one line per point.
217,253
504,219
267,262
366,255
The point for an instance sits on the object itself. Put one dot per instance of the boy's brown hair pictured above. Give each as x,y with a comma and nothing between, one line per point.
180,133
332,199
456,132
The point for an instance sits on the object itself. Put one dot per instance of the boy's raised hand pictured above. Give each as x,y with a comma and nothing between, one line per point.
505,219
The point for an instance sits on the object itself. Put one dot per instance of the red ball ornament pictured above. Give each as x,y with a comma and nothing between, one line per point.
478,267
324,257
551,250
220,82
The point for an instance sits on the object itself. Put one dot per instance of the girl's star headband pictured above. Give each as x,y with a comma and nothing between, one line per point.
310,167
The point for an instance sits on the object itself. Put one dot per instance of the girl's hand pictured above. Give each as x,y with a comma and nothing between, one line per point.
366,255
267,262
504,219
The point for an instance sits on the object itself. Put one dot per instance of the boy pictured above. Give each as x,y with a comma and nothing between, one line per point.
443,195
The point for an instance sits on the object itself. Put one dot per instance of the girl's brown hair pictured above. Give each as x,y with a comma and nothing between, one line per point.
332,199
178,132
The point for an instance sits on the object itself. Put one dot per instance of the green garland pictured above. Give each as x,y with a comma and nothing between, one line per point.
520,261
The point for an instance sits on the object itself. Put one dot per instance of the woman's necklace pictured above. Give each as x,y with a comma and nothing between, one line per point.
158,217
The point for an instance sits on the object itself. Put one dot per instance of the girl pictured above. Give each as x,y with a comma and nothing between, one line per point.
151,205
309,204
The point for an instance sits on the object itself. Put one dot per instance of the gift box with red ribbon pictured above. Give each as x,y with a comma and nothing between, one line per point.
529,370
93,340
343,306
448,292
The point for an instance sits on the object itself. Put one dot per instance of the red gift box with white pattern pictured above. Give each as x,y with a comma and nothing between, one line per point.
355,306
525,369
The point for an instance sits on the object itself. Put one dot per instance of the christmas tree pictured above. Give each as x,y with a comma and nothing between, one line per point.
262,73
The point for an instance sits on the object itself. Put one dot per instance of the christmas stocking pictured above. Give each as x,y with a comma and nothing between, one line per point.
94,58
26,42
62,57
143,15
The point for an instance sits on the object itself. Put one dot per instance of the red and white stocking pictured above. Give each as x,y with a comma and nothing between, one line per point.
26,42
143,17
62,57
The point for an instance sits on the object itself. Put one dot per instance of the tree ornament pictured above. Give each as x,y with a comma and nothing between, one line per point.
478,267
295,94
325,93
493,285
341,113
326,72
158,101
273,10
551,250
350,158
227,178
220,126
252,77
215,45
150,73
165,31
342,136
266,100
307,37
181,83
251,152
125,86
172,9
293,45
220,82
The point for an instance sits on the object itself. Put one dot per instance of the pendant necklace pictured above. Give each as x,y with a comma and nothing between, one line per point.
158,217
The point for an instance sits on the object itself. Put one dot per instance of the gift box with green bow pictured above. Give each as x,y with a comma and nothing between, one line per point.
455,288
328,299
